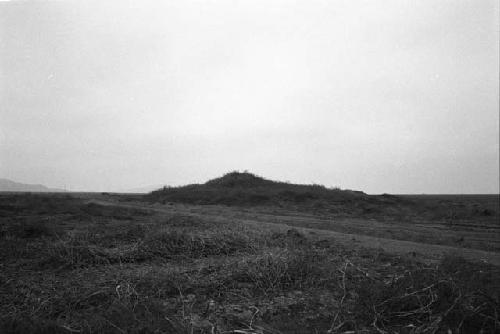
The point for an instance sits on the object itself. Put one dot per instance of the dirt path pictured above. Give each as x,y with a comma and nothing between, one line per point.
429,251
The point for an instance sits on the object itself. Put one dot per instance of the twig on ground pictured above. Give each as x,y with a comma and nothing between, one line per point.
253,316
332,327
112,324
69,329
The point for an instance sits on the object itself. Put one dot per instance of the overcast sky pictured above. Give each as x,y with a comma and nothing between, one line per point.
380,96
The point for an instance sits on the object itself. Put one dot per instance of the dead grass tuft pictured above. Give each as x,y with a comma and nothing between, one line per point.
168,244
283,269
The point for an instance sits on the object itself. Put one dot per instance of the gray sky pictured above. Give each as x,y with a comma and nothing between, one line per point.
380,96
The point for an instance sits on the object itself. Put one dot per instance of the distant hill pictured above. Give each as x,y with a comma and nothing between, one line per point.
246,189
141,190
11,186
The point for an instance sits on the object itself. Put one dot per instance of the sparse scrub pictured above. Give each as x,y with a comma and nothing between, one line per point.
187,222
30,229
292,238
75,252
115,212
121,234
423,299
83,250
39,204
168,244
12,249
116,270
283,269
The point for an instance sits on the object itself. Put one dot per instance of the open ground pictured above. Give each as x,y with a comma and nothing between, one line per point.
241,255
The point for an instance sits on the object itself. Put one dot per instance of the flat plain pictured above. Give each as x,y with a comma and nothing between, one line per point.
241,254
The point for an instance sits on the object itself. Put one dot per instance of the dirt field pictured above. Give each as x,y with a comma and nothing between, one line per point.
101,263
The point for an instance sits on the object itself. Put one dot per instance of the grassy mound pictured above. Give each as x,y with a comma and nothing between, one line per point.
248,189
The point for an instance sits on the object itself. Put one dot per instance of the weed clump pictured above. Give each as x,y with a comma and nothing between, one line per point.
84,250
173,243
283,269
292,238
75,253
464,299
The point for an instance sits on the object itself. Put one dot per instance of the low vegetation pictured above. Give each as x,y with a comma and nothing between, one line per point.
83,265
249,190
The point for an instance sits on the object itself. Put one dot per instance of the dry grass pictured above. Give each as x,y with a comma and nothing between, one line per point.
181,274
